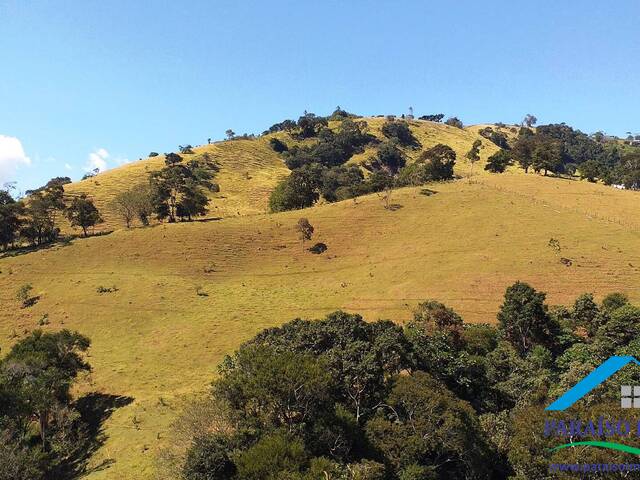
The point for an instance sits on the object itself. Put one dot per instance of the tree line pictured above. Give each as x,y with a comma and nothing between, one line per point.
177,192
437,398
34,220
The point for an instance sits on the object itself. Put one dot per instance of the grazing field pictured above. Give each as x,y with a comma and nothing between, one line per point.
184,295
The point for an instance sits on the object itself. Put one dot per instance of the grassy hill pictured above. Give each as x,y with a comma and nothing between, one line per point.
187,294
250,169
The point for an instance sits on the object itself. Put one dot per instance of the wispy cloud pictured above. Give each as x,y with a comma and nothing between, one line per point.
97,159
12,156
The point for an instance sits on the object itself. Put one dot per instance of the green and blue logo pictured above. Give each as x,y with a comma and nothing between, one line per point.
629,398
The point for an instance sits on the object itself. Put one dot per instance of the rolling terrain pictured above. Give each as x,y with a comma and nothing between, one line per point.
186,294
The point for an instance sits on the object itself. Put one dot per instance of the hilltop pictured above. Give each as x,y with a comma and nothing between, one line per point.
250,169
187,294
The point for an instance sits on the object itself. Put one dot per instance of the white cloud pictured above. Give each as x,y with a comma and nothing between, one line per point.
97,159
68,167
11,156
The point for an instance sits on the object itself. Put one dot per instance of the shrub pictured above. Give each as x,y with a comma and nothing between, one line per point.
278,146
454,122
208,459
498,162
400,131
389,158
23,295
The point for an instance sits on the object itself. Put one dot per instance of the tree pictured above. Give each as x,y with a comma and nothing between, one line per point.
185,149
305,230
41,210
399,130
454,122
529,120
473,155
172,159
421,423
435,163
547,156
83,213
274,457
208,458
310,125
134,203
498,162
300,190
230,134
177,191
278,146
10,219
432,118
586,314
40,369
389,158
91,174
523,318
590,170
523,149
275,389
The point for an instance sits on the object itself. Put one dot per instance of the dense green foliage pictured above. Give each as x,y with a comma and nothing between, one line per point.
436,399
498,162
319,170
41,432
178,191
83,213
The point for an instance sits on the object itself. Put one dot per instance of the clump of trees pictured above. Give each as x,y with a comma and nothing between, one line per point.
42,433
454,122
435,398
434,164
399,130
560,149
35,219
432,118
178,191
496,137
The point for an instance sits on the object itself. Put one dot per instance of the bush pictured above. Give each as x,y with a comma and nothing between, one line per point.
498,162
23,295
454,122
400,131
389,158
272,458
278,146
208,459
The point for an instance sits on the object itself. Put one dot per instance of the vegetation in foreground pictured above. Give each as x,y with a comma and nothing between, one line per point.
341,398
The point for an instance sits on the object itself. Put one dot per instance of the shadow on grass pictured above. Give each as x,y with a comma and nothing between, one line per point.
94,408
394,207
61,242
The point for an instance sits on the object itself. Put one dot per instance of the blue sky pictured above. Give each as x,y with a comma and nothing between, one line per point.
98,83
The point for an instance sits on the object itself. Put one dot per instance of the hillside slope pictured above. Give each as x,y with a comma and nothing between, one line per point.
250,169
187,294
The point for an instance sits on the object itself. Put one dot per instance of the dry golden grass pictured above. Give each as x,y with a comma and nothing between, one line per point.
156,338
249,169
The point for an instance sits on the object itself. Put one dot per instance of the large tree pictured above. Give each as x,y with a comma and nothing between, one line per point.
10,219
524,319
83,213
